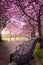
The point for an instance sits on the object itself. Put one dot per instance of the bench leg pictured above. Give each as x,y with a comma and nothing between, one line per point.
32,58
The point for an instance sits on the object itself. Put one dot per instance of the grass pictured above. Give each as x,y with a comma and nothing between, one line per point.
8,39
17,38
39,53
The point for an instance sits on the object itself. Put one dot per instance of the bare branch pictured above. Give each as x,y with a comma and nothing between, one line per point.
41,14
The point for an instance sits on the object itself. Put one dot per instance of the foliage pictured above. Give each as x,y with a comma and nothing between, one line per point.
27,11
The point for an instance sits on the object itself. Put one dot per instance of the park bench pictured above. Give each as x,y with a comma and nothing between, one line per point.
23,52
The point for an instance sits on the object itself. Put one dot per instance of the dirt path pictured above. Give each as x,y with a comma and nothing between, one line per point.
6,48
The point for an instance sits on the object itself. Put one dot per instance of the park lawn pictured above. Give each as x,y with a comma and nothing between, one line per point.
8,39
14,38
39,53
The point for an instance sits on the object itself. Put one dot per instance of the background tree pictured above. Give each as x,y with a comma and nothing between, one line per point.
32,10
4,5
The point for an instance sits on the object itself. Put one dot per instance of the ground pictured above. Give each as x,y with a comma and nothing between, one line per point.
6,48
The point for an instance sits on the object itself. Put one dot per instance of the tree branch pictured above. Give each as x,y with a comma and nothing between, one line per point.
40,9
41,14
27,14
24,11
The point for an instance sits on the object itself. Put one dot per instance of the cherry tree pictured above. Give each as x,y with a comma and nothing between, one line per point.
4,5
33,10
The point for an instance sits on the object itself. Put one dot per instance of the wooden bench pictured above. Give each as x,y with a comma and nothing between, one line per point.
24,52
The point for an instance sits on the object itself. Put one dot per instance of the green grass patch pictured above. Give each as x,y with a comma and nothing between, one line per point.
14,37
17,38
39,53
8,39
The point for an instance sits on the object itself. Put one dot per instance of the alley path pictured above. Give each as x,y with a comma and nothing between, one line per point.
6,48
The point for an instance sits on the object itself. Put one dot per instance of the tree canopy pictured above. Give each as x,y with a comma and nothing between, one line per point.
29,11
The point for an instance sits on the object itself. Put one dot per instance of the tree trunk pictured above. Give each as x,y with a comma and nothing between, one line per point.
0,36
40,32
40,35
33,32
